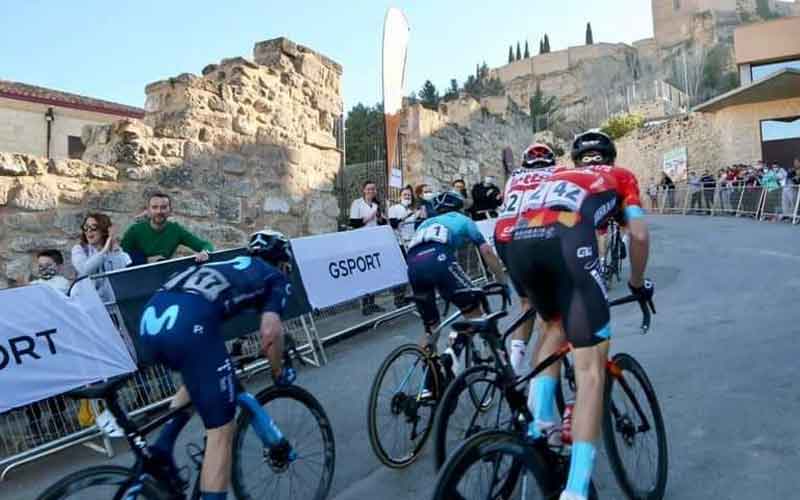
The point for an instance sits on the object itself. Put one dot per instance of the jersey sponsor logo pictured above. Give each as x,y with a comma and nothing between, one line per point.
154,324
604,210
238,263
348,267
584,252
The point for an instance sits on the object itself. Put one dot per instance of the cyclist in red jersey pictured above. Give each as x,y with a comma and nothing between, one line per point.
553,256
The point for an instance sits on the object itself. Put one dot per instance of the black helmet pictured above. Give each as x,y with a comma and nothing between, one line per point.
594,141
449,201
271,246
538,156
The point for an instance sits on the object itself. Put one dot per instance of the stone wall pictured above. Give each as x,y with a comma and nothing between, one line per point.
248,144
460,140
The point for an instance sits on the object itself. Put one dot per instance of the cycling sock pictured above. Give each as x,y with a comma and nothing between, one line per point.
217,495
169,434
541,402
580,468
517,355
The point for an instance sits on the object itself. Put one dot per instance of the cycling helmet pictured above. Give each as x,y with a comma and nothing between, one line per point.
594,141
271,246
538,156
449,201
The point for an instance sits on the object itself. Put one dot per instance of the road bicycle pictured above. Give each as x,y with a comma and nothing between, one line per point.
632,419
409,384
292,456
615,255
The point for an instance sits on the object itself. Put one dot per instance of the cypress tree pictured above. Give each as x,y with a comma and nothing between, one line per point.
589,36
519,53
546,44
510,54
527,52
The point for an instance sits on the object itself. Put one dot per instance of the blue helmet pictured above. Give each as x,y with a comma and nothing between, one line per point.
449,201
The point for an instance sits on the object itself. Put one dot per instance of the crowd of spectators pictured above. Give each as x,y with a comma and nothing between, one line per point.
707,190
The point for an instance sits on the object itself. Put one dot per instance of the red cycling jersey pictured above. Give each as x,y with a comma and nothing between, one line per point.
521,181
570,196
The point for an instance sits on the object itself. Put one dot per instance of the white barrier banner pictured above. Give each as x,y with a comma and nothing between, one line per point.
343,266
50,343
486,228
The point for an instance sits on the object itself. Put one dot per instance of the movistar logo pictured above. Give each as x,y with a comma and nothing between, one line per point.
239,263
152,324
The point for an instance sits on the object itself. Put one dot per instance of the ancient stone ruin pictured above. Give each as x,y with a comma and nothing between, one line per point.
248,144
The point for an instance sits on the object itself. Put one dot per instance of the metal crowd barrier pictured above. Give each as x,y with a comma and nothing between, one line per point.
35,431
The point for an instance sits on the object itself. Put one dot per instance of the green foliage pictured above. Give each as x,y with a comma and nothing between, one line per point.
452,92
363,125
589,36
716,78
546,44
619,126
519,54
763,10
543,110
510,54
541,46
429,96
527,52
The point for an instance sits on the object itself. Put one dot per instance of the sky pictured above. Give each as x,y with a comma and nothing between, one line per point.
111,50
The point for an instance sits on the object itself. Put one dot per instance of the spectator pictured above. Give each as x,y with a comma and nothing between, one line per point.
668,186
486,198
157,239
695,192
401,217
366,212
652,192
789,200
460,187
99,252
51,267
424,193
724,183
709,185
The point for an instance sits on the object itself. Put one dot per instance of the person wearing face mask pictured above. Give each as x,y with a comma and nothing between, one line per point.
425,195
50,263
460,187
402,217
486,198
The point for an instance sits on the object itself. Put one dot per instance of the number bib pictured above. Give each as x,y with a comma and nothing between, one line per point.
435,233
555,194
207,282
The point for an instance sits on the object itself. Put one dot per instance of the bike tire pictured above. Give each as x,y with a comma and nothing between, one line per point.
477,355
250,483
461,394
110,477
622,424
403,405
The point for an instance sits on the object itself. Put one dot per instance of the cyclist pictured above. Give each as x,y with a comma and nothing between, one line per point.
553,255
432,266
538,164
180,328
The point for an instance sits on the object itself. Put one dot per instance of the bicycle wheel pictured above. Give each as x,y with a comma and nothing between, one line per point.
629,431
463,411
261,473
478,353
400,409
105,481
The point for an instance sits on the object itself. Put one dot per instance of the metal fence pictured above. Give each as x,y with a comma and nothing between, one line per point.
35,431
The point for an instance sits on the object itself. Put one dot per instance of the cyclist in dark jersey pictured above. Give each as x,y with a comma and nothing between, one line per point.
553,255
180,327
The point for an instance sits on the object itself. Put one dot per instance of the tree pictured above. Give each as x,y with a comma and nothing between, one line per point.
527,52
546,44
589,36
543,110
363,129
510,54
541,46
763,10
519,54
429,96
492,87
452,92
618,126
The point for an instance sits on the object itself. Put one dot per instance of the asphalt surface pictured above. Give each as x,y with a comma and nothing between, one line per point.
722,355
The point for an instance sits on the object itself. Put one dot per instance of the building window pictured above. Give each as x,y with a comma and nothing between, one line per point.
676,4
75,147
761,71
780,140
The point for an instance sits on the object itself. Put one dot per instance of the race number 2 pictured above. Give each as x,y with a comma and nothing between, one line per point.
555,194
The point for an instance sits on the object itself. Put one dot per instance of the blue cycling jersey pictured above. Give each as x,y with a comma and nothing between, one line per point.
233,285
452,229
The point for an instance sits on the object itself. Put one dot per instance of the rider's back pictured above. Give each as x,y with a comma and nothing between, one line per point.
453,229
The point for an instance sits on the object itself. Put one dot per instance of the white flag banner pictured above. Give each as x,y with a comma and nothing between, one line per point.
344,266
395,53
50,343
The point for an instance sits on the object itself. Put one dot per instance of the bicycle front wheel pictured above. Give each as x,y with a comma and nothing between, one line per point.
633,431
105,481
401,405
259,472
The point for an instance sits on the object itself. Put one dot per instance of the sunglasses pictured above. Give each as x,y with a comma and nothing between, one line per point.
88,228
590,159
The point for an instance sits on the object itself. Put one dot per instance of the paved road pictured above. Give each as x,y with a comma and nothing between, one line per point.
723,356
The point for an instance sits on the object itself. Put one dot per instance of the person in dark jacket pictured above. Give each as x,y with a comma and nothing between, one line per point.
486,199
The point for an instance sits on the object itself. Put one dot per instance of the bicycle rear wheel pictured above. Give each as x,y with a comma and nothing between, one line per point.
105,481
402,402
472,403
259,472
633,425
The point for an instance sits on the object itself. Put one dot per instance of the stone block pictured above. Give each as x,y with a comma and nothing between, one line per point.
245,124
19,268
243,188
233,164
322,140
34,197
198,205
69,221
276,203
103,172
36,243
323,211
5,187
117,200
180,177
32,222
219,234
230,209
172,148
13,164
139,173
36,165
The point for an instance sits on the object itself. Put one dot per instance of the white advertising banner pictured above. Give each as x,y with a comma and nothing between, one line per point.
343,266
50,343
675,163
487,229
395,53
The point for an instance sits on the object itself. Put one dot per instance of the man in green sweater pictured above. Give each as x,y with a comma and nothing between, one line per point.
156,239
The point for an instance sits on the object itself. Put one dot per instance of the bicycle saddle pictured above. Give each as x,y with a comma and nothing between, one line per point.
100,390
487,323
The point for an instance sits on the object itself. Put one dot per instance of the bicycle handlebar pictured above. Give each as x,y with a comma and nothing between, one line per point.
645,306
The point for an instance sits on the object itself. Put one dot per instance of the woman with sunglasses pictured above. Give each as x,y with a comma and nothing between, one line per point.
99,252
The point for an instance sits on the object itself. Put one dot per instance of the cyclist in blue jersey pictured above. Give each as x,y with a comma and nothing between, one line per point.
180,327
432,263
